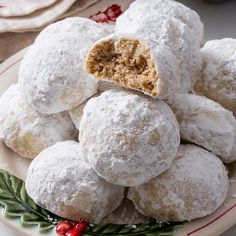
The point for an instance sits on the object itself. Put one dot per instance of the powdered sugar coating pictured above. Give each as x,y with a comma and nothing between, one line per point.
218,81
52,75
61,180
159,9
77,113
167,24
206,123
25,130
129,138
125,214
195,186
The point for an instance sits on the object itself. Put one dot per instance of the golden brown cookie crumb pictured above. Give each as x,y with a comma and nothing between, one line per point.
127,62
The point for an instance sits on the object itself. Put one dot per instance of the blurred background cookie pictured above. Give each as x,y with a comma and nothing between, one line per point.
207,124
219,72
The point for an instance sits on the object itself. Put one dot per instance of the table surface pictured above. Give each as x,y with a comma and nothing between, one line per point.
219,21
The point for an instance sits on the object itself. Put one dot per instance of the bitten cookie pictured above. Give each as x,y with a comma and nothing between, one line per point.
61,180
129,138
52,76
152,52
218,81
206,123
27,131
125,214
195,186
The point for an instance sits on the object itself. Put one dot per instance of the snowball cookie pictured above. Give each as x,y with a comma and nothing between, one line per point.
129,138
195,186
218,81
125,214
52,75
27,131
61,180
150,52
206,123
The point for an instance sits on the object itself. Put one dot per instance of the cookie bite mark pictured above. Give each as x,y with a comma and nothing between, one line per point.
124,61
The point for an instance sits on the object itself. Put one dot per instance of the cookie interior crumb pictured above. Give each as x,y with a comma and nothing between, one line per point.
126,62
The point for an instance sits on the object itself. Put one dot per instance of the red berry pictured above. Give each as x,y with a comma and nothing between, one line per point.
74,232
63,227
82,225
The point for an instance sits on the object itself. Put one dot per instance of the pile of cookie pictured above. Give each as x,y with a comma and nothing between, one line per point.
126,127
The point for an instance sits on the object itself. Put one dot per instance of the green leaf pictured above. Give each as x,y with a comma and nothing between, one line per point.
16,203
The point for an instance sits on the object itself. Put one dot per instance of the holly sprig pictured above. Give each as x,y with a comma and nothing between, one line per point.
16,203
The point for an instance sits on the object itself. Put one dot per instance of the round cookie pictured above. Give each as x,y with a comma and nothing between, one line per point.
154,53
206,123
218,81
61,180
52,76
129,138
27,131
125,214
195,186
